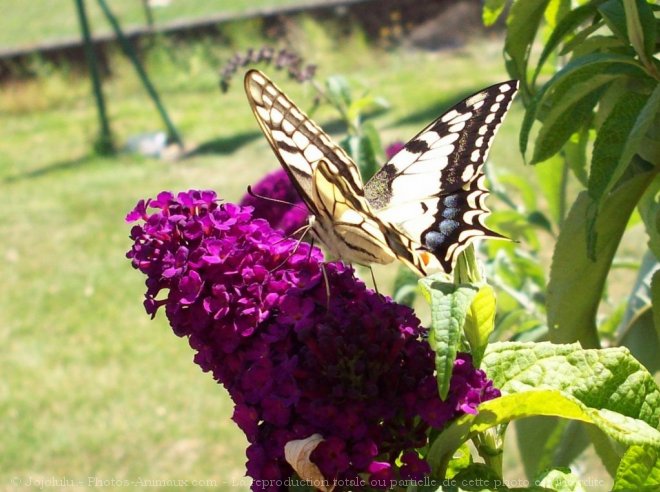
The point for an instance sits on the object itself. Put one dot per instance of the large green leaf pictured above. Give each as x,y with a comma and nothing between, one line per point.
606,379
607,388
576,281
621,428
523,22
610,141
575,153
639,470
449,306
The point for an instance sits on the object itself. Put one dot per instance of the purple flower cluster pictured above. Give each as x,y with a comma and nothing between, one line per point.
277,185
302,347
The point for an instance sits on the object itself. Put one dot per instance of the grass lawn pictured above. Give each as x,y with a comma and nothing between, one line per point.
24,23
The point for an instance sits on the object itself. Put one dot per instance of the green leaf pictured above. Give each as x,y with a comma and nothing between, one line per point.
567,116
640,27
615,17
480,322
405,286
655,297
566,25
592,71
461,459
576,282
551,176
575,153
478,477
492,11
522,23
646,128
560,480
610,141
639,469
339,92
607,388
373,153
605,379
623,429
649,209
449,307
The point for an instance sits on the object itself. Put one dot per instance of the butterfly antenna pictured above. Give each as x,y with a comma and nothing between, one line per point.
275,200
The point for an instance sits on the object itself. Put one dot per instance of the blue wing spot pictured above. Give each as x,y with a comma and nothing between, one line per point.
434,240
451,201
450,213
447,227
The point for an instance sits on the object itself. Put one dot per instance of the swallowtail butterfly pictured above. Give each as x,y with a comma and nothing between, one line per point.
425,203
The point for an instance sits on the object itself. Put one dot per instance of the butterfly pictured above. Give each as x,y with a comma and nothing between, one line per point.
423,207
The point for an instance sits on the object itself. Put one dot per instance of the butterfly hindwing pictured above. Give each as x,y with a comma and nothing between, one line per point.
433,188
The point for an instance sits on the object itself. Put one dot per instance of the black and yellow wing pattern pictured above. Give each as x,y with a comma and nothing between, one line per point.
423,207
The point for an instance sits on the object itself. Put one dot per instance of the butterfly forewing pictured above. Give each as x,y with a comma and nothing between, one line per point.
433,188
297,141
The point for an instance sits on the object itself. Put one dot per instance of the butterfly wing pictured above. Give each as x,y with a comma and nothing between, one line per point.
433,189
297,141
348,226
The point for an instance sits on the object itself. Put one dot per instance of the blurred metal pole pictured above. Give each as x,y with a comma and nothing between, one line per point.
172,133
148,14
104,143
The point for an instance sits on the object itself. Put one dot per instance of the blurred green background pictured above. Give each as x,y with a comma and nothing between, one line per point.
91,387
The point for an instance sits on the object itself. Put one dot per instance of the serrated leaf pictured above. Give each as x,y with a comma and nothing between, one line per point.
449,306
480,322
610,142
492,11
639,469
522,23
576,282
567,25
647,122
605,379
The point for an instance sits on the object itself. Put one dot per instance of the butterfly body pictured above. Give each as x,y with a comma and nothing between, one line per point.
423,207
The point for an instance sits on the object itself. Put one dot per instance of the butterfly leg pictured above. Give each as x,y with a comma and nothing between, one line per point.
327,287
373,278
